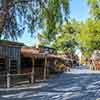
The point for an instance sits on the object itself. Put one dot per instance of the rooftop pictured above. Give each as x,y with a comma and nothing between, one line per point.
10,43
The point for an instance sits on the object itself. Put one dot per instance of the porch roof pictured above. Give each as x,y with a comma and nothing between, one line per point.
11,43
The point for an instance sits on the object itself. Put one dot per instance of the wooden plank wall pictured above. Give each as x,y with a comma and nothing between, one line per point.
12,53
9,51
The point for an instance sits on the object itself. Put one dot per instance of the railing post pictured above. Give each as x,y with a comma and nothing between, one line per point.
8,80
8,73
32,78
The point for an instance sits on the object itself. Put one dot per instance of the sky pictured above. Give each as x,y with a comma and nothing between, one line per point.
78,10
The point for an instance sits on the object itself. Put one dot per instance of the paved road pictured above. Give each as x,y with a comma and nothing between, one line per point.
66,86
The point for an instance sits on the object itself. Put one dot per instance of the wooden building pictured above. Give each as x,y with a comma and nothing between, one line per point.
33,60
19,63
41,61
10,57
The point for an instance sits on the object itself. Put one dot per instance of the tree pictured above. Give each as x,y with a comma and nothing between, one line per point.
89,36
43,39
34,14
66,39
94,8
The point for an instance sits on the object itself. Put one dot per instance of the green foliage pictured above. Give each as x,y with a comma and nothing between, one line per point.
52,16
72,34
66,38
43,38
89,36
94,8
34,14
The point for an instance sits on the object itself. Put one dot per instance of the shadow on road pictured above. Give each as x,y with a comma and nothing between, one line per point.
61,87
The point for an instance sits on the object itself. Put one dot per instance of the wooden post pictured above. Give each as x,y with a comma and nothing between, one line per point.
18,65
32,74
8,73
19,61
8,80
45,68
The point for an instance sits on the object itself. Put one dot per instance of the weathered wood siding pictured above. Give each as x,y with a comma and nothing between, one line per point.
10,52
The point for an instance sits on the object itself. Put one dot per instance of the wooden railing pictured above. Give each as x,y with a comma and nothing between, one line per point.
12,79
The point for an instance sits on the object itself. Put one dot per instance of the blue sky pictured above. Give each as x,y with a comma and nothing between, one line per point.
78,10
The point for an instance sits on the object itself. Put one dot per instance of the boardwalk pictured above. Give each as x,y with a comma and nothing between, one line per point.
83,85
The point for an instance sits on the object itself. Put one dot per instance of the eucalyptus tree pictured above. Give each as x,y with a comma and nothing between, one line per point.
17,15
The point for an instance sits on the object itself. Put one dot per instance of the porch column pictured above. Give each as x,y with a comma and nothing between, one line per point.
33,72
18,65
45,68
19,61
